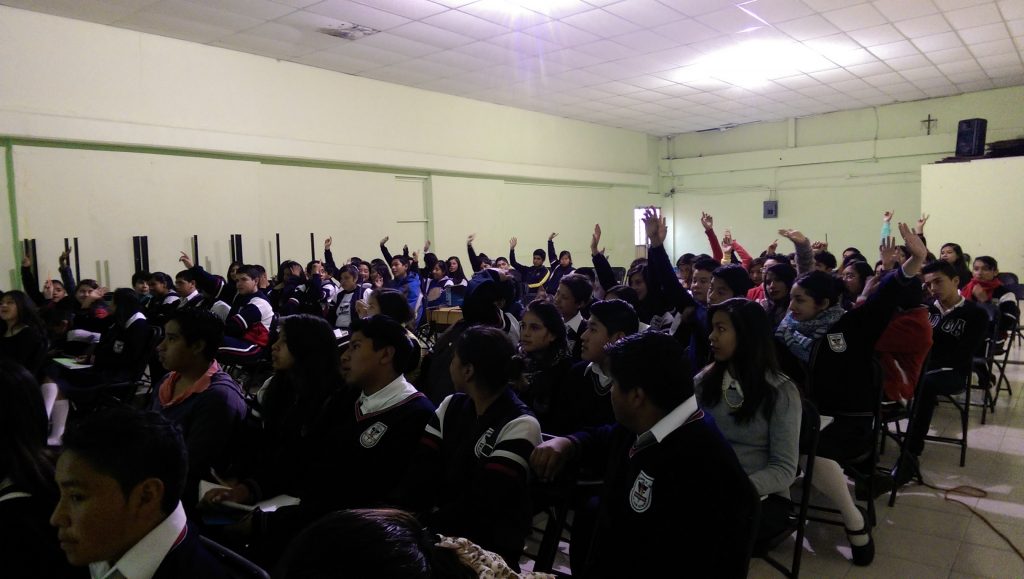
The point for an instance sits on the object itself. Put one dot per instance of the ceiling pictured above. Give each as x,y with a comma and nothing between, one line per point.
655,66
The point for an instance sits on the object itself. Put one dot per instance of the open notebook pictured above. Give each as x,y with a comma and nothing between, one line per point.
268,506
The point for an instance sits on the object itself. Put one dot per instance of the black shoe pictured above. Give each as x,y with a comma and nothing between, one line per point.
882,485
865,554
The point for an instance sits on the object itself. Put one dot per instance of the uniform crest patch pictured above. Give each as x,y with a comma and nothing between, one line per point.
837,342
485,446
642,493
372,435
118,346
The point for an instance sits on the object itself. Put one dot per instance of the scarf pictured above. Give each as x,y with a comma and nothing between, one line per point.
800,336
988,286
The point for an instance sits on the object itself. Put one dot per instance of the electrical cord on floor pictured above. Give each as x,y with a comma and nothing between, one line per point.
975,492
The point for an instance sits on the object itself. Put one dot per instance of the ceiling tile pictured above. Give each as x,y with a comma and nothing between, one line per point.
986,33
504,13
863,70
773,11
398,75
993,48
907,62
850,85
524,44
730,20
579,77
264,46
394,43
561,33
959,66
797,82
852,57
431,35
358,14
367,53
938,42
854,17
611,70
262,9
88,10
458,60
697,7
685,31
645,41
646,13
894,50
648,82
974,16
897,10
466,24
1016,27
621,88
999,60
556,10
925,72
808,27
831,76
923,26
337,62
573,58
948,55
1011,9
602,23
606,50
489,52
413,9
876,35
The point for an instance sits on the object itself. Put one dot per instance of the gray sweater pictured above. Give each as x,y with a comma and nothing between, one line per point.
767,449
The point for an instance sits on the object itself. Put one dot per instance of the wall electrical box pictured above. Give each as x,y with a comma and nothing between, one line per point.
771,209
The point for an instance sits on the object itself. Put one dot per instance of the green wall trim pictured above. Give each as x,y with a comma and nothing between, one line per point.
273,160
12,205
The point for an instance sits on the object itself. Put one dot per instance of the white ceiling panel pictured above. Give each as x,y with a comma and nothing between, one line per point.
658,66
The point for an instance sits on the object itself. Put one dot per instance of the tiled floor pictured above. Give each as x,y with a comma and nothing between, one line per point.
926,535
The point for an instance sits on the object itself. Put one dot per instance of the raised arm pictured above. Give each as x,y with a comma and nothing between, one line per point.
66,277
603,269
709,230
804,254
384,250
474,259
662,277
29,281
329,265
552,254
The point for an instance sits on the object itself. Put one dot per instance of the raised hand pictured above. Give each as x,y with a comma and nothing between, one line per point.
887,216
707,221
917,248
773,246
384,240
26,260
819,246
65,257
185,260
512,242
655,225
470,238
405,249
327,243
888,252
920,223
552,236
793,235
595,240
426,246
727,241
415,257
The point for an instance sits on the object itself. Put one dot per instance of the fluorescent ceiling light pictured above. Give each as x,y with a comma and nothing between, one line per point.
753,63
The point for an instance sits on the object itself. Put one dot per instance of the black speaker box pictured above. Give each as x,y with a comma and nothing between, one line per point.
970,138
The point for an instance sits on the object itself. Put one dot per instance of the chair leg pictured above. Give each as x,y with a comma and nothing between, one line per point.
965,416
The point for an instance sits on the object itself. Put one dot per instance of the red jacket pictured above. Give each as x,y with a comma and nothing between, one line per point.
903,347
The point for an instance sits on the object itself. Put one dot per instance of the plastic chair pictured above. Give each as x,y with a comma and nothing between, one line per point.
236,566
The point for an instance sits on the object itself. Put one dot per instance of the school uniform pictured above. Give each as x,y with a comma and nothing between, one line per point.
160,308
676,500
28,543
192,300
343,311
470,479
534,276
247,329
213,285
410,288
435,287
574,329
588,389
119,357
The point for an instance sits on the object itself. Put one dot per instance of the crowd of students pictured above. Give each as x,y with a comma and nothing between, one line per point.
681,387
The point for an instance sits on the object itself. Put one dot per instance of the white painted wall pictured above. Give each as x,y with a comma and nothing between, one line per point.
832,174
978,205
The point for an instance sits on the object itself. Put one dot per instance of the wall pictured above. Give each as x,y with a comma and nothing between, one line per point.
118,133
978,205
832,174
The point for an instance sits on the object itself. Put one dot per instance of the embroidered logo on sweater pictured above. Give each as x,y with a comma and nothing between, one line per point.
954,327
837,342
642,494
372,435
485,446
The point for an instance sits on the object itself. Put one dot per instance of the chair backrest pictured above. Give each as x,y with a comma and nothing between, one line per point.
620,274
237,566
1008,278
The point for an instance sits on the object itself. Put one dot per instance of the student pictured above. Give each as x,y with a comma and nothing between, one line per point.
754,404
216,288
684,268
120,355
855,277
588,382
572,295
545,351
727,282
560,267
476,261
290,276
407,282
778,282
140,283
306,374
91,317
534,276
164,299
344,309
954,255
22,332
958,330
361,445
313,294
121,478
28,545
825,261
840,379
756,272
247,331
53,290
203,400
665,462
984,286
470,479
185,287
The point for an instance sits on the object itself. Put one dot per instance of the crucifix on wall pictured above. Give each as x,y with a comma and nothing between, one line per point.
928,122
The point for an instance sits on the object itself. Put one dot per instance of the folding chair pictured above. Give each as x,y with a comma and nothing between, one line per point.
810,423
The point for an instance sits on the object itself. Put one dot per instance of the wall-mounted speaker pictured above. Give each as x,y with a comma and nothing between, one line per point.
970,137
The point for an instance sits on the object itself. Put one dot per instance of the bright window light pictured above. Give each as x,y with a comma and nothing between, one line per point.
753,63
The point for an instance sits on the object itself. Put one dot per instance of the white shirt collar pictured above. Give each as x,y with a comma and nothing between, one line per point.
131,320
397,391
673,420
575,323
194,293
603,378
145,557
943,311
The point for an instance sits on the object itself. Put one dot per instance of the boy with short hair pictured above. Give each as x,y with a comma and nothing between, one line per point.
572,295
247,330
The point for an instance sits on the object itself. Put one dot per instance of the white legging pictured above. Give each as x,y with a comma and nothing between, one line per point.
830,481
